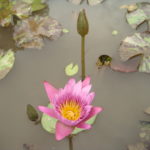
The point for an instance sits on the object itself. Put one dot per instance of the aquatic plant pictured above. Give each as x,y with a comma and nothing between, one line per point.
71,106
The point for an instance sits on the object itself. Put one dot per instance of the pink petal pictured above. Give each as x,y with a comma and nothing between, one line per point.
86,89
90,97
94,111
77,88
69,86
86,81
62,130
84,126
50,90
48,111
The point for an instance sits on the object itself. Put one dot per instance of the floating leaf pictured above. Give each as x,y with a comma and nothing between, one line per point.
6,16
138,146
22,9
145,131
147,111
65,30
28,32
130,8
6,62
94,2
138,44
32,113
139,15
48,123
76,2
114,32
71,70
128,66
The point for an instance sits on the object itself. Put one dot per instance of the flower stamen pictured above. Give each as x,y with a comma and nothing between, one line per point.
70,110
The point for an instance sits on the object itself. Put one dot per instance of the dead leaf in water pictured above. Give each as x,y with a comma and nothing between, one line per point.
135,45
7,60
128,66
137,16
28,33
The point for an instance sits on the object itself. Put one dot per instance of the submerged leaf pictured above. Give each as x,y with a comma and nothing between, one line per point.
128,66
147,111
6,62
28,32
71,70
138,146
138,14
32,113
48,123
138,44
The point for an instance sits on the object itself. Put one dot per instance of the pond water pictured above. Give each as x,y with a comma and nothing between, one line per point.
123,96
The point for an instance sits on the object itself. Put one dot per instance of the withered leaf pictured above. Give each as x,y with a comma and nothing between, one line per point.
137,44
136,17
28,33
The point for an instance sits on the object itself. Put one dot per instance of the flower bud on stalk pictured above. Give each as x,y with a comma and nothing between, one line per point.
82,24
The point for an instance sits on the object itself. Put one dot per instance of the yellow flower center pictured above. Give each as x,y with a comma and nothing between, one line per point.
70,110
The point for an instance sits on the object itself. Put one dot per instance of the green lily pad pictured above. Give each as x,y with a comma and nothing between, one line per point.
48,123
138,15
6,62
71,70
114,32
135,45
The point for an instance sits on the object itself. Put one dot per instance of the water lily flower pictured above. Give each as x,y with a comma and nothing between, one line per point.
71,106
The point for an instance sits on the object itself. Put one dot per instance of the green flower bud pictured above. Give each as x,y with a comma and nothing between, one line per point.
82,24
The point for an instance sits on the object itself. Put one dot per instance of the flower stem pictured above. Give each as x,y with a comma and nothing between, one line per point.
83,56
70,142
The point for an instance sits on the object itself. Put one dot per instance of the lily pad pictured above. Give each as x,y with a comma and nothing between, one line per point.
71,70
135,45
28,33
139,15
48,123
128,66
6,62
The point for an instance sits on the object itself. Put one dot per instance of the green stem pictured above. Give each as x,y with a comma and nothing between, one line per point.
70,142
83,56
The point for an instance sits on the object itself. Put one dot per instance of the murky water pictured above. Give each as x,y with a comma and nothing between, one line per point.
123,96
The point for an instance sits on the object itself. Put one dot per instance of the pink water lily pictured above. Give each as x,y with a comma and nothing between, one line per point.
71,106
